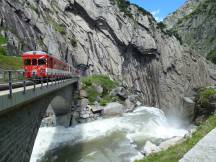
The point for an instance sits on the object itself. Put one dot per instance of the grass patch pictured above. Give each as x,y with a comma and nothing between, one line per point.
88,84
2,40
203,96
175,153
10,62
212,56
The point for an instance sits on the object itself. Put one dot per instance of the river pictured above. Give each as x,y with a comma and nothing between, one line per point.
117,139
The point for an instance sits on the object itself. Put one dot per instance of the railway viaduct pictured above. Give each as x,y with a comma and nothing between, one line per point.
22,111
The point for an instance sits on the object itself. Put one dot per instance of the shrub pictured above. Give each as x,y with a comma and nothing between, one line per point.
203,96
123,5
107,84
212,56
3,51
2,40
161,25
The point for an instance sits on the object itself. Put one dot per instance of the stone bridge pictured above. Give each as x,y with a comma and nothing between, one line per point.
22,112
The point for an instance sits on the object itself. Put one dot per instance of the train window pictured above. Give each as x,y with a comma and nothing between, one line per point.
41,61
34,61
27,62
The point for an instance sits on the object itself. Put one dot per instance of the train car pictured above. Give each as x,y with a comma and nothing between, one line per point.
39,64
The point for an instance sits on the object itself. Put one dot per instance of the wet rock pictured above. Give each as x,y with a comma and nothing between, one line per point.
171,142
120,91
85,116
97,109
188,109
113,108
150,148
98,88
84,103
129,105
83,94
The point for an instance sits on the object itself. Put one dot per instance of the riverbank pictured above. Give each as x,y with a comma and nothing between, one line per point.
175,153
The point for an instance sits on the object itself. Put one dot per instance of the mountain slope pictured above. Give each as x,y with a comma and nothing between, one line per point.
116,38
196,26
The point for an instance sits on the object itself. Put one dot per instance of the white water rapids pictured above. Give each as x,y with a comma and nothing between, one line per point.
114,139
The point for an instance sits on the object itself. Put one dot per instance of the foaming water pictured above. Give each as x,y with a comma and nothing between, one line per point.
112,139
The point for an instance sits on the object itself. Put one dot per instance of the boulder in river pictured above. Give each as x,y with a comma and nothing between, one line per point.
150,148
113,108
171,142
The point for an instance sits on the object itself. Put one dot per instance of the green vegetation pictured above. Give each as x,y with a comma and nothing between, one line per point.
89,85
124,7
175,153
2,40
142,10
161,25
203,96
60,28
10,62
212,56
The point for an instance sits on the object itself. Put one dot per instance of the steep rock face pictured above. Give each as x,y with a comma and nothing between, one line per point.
195,23
172,19
132,50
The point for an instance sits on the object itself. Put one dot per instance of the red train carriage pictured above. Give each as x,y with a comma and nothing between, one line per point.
42,65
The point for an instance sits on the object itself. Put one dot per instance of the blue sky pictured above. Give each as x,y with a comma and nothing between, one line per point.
159,8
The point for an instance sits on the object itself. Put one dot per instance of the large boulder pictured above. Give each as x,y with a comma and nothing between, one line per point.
120,91
113,108
150,148
188,108
84,103
171,142
98,88
83,94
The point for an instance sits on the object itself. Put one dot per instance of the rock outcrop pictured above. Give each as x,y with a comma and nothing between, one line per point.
195,24
131,49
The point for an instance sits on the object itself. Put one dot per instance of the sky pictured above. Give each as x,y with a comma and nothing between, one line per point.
159,8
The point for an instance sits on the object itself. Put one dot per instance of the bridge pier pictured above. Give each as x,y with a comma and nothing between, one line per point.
20,124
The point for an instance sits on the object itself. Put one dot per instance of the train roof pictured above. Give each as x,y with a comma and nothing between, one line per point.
43,53
34,52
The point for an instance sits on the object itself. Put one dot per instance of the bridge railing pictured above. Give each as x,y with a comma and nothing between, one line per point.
11,79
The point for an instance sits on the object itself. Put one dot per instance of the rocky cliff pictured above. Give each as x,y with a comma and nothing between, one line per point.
195,24
123,41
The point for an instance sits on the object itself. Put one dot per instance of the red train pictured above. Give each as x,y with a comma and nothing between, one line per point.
40,64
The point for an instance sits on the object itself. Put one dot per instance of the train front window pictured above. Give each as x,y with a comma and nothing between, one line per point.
34,61
27,62
41,61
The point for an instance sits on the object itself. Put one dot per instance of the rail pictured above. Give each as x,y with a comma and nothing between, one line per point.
11,79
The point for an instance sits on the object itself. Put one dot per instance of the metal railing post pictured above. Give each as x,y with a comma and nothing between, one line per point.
47,81
55,79
10,83
41,80
34,83
24,83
